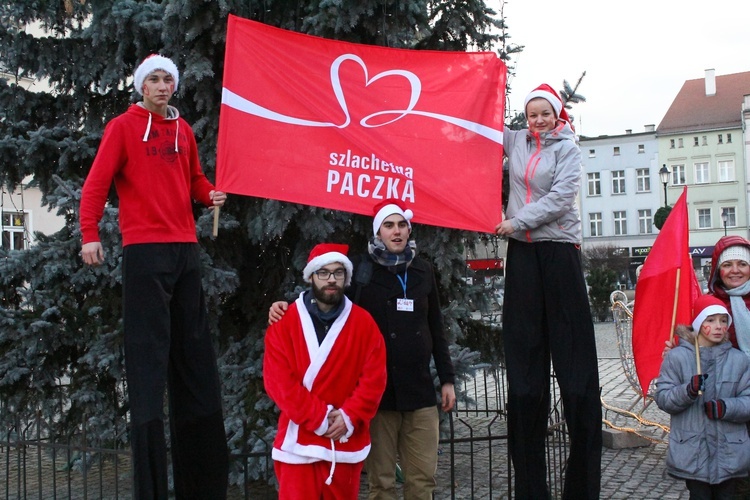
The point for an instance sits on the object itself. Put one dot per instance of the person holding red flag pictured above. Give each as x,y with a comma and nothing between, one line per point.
546,314
150,154
704,384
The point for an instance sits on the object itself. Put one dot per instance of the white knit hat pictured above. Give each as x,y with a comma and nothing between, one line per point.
328,253
705,306
735,252
386,208
149,65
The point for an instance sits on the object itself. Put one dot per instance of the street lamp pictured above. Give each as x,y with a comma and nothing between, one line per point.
724,217
664,176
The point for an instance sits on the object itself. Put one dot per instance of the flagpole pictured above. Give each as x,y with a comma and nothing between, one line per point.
697,353
674,306
216,223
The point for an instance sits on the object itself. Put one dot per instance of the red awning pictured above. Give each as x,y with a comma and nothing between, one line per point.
485,264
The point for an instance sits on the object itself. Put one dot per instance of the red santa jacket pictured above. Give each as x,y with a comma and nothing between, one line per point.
307,380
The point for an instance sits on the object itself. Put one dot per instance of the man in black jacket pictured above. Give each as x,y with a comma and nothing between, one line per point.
400,292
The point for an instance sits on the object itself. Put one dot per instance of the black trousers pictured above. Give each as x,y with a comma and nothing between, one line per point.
704,491
167,343
546,315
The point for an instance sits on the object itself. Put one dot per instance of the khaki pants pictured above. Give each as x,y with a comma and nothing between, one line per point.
412,438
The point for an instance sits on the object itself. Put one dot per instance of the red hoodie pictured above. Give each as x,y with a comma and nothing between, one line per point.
155,183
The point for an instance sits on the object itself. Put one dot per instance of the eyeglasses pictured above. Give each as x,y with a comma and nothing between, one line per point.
325,274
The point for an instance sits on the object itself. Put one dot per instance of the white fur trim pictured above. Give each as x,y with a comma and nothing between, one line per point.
324,260
386,212
710,311
151,64
547,96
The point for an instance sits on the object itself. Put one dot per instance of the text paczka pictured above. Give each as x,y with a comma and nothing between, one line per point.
370,185
377,187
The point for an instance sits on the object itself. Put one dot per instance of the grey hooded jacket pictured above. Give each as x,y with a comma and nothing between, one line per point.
545,175
706,450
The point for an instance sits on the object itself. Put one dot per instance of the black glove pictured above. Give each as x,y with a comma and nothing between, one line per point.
697,383
715,409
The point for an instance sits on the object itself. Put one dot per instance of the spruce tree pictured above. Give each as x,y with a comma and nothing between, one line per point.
60,322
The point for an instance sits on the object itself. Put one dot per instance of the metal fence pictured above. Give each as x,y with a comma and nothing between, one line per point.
473,462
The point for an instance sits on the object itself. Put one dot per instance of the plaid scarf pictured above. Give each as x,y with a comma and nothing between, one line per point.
392,261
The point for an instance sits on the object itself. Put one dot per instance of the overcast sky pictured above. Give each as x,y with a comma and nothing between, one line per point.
636,54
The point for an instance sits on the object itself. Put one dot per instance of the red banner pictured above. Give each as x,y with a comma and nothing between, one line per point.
343,126
664,295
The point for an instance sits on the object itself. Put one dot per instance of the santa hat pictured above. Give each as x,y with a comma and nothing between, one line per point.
705,306
328,253
149,65
386,208
550,95
735,252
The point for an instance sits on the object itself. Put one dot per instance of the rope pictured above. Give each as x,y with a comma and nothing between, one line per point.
639,418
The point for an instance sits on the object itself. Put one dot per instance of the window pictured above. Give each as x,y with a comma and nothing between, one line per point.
678,175
620,222
642,148
701,173
645,222
704,140
721,139
671,143
731,213
595,223
592,153
729,138
14,231
595,186
695,140
617,151
726,170
618,182
679,142
643,180
704,218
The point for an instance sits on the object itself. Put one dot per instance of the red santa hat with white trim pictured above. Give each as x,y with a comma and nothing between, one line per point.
153,63
705,306
328,253
549,94
386,208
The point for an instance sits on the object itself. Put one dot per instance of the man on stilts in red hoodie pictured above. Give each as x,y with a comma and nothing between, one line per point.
151,155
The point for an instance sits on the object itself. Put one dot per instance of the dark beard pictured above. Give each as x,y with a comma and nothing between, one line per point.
331,300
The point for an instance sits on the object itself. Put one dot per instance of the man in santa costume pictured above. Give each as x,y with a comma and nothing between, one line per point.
324,367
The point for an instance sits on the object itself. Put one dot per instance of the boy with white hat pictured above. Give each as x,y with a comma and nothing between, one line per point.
707,395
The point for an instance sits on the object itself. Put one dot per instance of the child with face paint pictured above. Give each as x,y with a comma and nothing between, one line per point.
707,395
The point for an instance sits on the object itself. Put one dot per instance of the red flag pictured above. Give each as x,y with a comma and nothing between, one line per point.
664,293
343,126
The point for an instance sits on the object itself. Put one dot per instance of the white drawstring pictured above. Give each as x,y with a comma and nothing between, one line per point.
177,134
148,128
333,463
